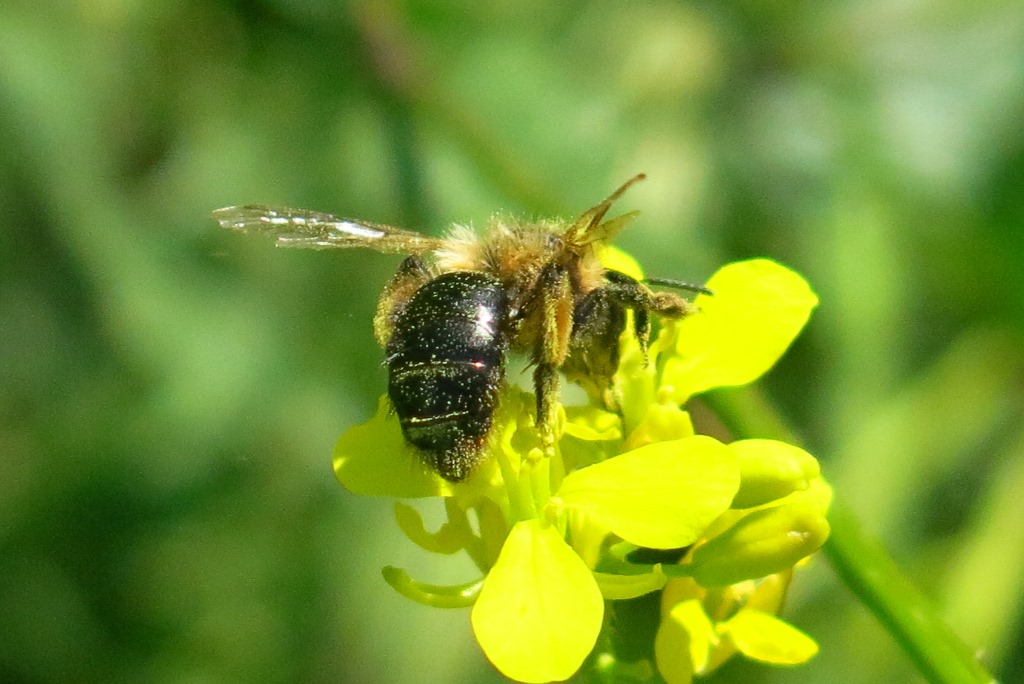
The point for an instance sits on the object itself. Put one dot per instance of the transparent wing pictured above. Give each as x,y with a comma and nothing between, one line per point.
318,230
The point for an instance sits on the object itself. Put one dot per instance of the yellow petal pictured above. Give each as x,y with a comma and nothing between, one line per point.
766,638
770,592
682,643
757,309
615,259
661,496
539,613
679,589
374,459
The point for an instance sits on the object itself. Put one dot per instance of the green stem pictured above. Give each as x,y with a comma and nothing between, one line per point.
519,488
862,562
900,606
433,595
539,472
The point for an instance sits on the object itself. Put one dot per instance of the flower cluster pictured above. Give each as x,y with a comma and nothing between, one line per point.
557,537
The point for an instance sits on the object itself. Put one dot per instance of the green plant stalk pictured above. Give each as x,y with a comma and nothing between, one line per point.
862,562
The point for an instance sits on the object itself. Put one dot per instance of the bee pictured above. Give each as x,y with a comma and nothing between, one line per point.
460,304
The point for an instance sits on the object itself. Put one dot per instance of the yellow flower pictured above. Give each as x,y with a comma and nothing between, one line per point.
554,537
703,628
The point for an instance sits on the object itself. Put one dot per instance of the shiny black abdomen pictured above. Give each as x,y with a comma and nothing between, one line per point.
446,361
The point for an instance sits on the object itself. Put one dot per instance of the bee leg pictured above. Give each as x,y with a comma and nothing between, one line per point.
554,297
630,293
412,274
598,321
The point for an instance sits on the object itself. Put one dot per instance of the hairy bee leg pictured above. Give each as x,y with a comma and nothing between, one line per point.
411,275
594,347
598,321
546,384
554,297
631,293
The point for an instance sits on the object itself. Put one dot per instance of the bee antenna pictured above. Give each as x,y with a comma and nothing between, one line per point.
592,218
625,186
679,285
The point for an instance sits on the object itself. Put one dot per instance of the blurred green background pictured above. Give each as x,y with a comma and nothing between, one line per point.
170,393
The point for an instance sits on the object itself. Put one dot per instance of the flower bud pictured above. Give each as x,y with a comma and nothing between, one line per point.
770,470
761,543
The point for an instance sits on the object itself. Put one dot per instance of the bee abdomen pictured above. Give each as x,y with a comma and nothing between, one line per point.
445,364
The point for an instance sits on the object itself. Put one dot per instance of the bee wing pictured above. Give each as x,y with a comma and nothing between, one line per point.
319,230
604,232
